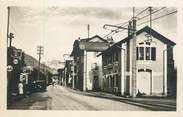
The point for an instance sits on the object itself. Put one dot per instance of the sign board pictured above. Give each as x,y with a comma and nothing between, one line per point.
15,61
16,53
9,68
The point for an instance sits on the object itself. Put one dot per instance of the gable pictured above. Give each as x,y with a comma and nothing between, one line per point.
152,32
96,39
148,30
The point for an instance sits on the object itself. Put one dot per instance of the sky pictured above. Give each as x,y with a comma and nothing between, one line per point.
56,28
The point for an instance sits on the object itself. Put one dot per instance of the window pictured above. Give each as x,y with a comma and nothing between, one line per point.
110,60
116,56
145,52
116,81
153,53
137,51
141,53
112,81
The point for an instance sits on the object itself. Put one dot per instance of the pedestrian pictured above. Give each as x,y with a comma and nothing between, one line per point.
20,87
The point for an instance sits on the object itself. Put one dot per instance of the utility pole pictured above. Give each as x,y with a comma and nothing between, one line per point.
11,36
134,56
85,60
133,51
88,28
39,52
150,13
8,22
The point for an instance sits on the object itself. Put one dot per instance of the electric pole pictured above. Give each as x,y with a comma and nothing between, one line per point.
39,52
11,36
88,28
134,56
133,50
8,24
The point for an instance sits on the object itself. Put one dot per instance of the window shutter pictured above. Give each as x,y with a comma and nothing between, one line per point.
153,53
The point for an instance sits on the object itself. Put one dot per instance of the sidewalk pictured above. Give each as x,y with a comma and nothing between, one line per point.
155,104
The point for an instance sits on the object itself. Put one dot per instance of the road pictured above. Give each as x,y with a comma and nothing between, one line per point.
59,98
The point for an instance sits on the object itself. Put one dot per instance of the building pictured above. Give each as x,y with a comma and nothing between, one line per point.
154,65
87,66
68,73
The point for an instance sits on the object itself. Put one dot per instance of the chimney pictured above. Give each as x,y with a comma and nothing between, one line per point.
130,32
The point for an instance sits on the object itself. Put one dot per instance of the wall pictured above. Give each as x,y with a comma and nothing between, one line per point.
156,66
110,71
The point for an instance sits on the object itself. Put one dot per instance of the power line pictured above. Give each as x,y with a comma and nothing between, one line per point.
151,13
16,32
158,17
126,23
145,21
142,11
135,16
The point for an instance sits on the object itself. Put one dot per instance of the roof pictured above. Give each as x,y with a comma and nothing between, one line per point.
94,37
148,30
95,44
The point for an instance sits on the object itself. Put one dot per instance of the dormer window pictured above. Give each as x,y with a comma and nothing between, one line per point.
145,51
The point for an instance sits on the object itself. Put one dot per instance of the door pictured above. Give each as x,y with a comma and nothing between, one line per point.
144,82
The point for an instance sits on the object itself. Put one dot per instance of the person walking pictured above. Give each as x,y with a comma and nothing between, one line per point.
20,88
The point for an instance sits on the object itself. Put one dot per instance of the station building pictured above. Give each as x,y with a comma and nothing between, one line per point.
154,65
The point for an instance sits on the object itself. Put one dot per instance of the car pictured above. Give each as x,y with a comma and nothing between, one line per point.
39,85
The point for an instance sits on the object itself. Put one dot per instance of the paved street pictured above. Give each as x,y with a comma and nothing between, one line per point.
58,98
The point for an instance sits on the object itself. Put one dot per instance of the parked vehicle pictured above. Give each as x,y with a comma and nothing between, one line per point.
39,85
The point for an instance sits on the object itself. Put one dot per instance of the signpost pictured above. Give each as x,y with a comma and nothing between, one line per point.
9,68
15,61
16,53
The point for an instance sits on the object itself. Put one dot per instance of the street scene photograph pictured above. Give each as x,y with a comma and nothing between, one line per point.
91,58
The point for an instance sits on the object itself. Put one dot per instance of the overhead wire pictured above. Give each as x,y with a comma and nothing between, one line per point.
123,24
151,13
16,33
158,17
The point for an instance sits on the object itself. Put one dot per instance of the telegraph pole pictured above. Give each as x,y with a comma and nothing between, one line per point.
39,52
88,28
133,51
134,56
11,36
8,24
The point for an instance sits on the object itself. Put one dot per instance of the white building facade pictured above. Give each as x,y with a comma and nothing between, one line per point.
154,65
